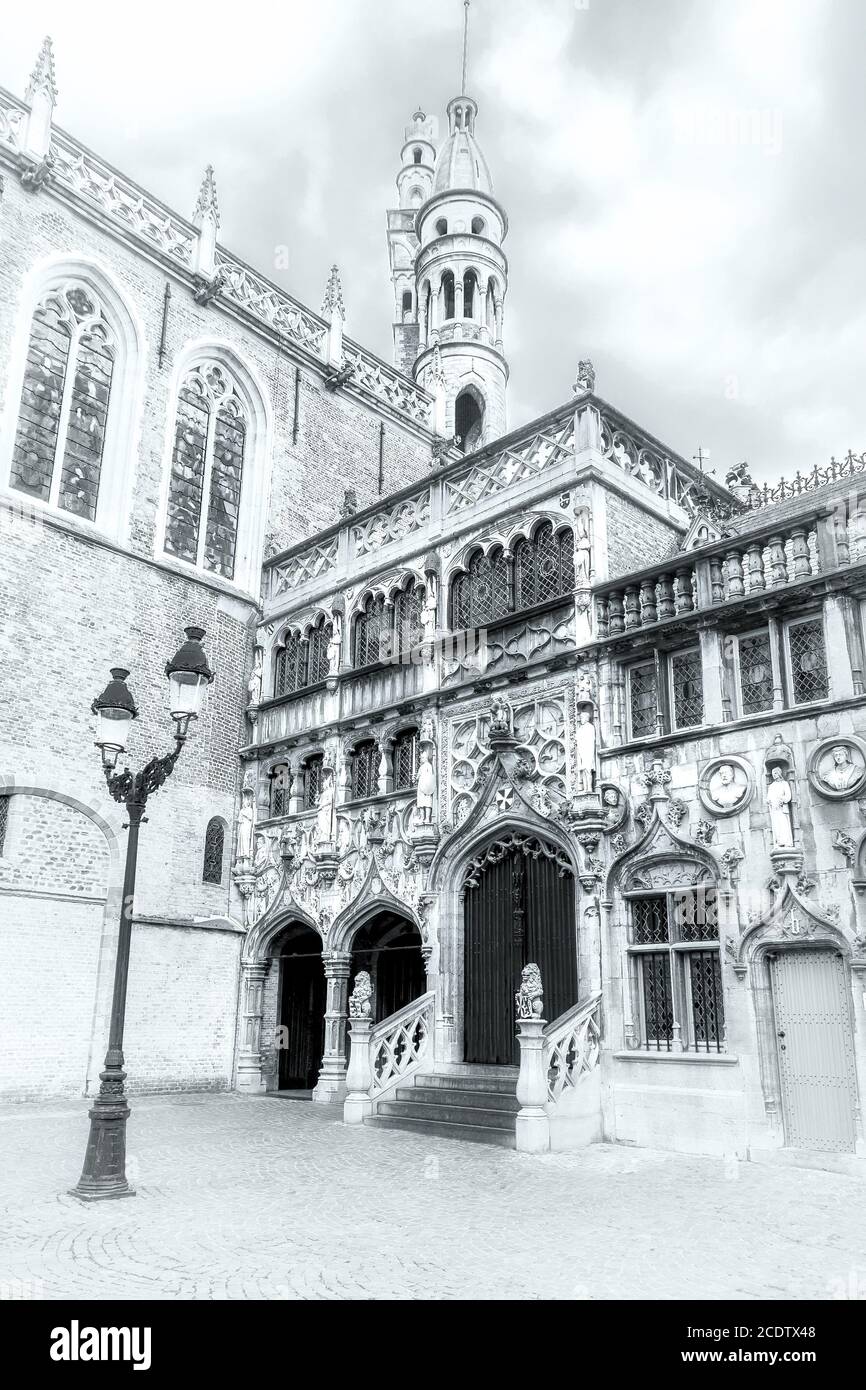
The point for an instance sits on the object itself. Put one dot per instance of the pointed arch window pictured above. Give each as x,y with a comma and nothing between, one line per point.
372,632
312,775
214,842
481,594
408,629
281,786
448,294
63,412
302,661
363,768
406,758
317,651
207,470
469,286
543,566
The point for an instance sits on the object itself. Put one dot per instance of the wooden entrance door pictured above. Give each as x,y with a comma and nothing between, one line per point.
302,1012
816,1054
518,907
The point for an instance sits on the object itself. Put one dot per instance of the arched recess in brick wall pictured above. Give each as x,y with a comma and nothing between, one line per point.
115,406
60,897
255,415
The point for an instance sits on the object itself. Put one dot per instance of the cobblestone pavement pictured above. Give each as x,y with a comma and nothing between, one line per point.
265,1199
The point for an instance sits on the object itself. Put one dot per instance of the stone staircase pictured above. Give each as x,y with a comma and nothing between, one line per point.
476,1104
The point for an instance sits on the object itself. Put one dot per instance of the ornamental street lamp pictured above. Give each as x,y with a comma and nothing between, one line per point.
104,1172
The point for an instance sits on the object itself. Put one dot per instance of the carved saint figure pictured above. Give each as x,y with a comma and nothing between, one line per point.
246,823
584,741
582,550
843,774
360,1000
725,790
778,804
254,684
428,609
335,644
529,999
585,380
500,716
425,793
325,808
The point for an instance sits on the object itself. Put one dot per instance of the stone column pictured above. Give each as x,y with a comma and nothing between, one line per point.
331,1086
533,1126
359,1076
249,1069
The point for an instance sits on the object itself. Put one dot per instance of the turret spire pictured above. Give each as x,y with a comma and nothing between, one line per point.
42,78
207,205
333,295
465,45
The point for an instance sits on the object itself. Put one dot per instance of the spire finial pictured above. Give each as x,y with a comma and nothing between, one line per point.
42,77
333,295
207,199
465,44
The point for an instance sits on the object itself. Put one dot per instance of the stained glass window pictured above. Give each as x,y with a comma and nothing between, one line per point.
543,566
687,688
63,414
808,661
406,752
481,594
756,672
207,471
364,770
214,840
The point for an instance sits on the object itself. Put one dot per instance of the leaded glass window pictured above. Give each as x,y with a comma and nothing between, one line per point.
364,771
63,413
687,689
207,471
4,820
756,672
408,630
290,666
372,632
214,840
317,652
281,786
643,700
674,946
481,594
406,754
313,769
808,660
543,566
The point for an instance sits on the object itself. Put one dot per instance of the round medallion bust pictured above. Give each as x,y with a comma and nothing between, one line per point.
726,785
837,767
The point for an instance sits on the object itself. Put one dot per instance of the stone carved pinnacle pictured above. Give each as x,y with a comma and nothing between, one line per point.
42,78
207,204
333,295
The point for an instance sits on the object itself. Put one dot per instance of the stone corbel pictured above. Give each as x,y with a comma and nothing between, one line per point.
35,173
206,288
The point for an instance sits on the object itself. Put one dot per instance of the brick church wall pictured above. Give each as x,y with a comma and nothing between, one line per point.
635,538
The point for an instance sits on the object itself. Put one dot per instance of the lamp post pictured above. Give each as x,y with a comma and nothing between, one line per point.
104,1172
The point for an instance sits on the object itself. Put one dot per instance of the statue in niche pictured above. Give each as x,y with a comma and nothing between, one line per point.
254,684
779,805
335,644
360,1000
724,789
325,808
429,608
582,550
428,729
500,716
246,825
425,793
584,741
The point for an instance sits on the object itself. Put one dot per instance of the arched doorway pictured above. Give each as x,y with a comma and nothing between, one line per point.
302,996
518,906
468,421
389,946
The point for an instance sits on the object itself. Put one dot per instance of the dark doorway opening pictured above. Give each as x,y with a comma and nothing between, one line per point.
389,947
518,908
301,1009
468,421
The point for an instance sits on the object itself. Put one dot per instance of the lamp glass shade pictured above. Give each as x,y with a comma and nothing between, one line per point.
186,693
112,728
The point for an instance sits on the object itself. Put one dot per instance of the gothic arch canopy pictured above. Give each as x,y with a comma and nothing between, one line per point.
790,921
661,859
260,938
374,896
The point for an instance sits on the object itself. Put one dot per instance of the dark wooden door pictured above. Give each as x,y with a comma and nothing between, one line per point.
400,978
521,910
302,1012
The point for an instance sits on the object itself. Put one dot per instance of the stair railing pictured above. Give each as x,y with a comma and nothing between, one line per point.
571,1046
384,1055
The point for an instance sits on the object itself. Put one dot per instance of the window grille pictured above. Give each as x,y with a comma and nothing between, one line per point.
756,672
364,771
643,700
808,661
544,566
4,820
687,684
313,780
63,412
207,471
406,754
675,954
214,839
281,781
481,594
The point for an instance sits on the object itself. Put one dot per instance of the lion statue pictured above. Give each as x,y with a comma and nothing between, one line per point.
530,997
360,1005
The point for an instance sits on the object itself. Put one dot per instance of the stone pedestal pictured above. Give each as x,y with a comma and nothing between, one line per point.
786,861
533,1126
359,1076
331,1086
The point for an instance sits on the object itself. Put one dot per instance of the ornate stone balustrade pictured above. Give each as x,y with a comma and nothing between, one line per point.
741,566
509,646
641,456
383,686
265,301
294,715
12,114
571,1046
401,1044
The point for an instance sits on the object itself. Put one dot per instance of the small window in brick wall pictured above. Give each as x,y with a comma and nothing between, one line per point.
4,820
214,840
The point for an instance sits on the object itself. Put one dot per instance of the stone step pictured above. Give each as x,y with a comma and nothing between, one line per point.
448,1095
505,1083
439,1129
451,1114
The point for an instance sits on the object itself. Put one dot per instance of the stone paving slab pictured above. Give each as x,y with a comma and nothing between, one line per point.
243,1197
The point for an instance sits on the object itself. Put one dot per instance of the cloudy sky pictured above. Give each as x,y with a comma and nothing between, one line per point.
684,180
